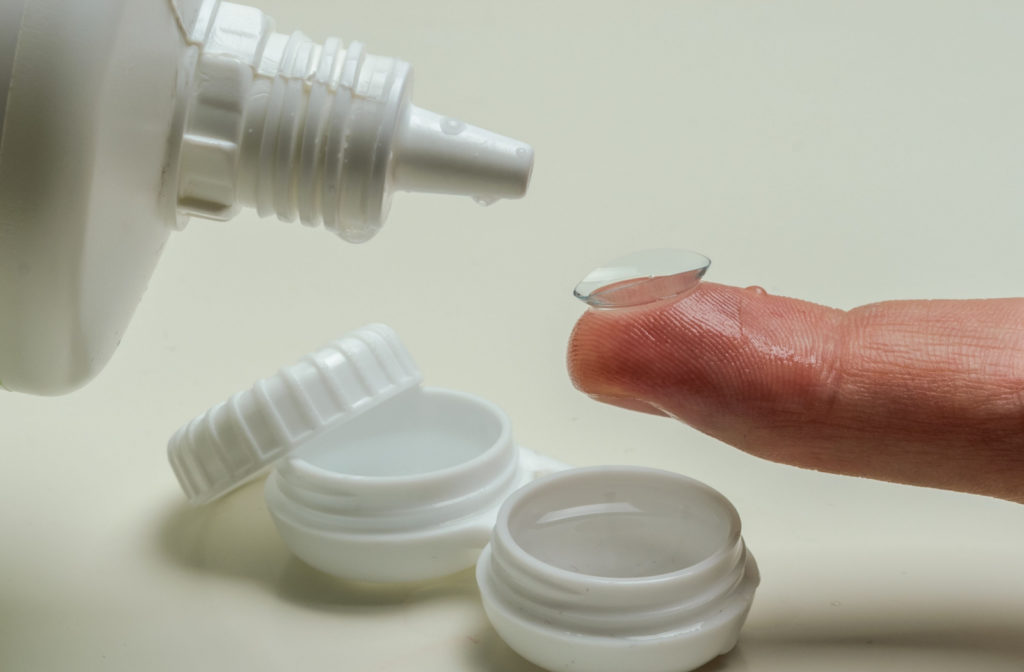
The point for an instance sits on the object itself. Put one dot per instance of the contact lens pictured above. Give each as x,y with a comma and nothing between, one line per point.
643,277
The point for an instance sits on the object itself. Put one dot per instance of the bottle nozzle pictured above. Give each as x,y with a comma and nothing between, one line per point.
436,154
322,133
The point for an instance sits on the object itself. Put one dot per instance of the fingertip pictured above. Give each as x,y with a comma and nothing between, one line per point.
714,358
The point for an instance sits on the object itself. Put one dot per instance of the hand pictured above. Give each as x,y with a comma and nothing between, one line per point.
922,392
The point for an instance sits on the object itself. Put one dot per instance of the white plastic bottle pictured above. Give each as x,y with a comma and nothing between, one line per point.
121,119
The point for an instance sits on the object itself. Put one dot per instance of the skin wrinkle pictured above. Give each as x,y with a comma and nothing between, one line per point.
965,366
833,360
925,392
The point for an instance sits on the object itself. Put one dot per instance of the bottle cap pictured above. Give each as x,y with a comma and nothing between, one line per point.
241,437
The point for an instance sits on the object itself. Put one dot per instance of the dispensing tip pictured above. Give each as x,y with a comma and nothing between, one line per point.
436,154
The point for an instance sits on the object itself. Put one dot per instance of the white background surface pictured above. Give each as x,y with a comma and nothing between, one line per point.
843,152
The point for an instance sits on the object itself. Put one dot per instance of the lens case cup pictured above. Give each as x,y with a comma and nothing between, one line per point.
374,477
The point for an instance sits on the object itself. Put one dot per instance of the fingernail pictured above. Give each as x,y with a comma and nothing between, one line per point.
629,404
642,278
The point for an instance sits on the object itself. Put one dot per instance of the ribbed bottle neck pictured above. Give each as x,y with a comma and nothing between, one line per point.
296,129
318,133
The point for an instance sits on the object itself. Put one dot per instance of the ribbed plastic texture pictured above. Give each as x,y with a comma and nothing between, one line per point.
322,133
238,439
294,128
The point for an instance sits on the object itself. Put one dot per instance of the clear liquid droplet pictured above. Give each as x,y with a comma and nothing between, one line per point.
757,289
643,277
485,201
450,126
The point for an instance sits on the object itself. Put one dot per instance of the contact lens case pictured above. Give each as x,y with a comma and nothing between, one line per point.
375,477
605,569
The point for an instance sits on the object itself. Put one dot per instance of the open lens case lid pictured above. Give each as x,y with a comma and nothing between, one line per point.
375,477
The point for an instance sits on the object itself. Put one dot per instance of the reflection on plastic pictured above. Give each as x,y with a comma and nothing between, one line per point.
642,278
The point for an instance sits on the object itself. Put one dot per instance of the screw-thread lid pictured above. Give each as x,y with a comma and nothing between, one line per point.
241,437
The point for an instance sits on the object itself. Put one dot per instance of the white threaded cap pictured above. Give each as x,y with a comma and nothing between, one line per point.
241,437
323,134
